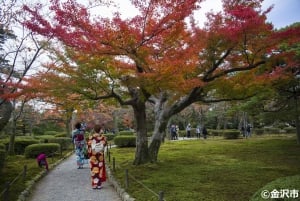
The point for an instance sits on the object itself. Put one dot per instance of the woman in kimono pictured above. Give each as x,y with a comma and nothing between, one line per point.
80,145
97,163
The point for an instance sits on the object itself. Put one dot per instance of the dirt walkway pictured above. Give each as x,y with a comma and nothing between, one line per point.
67,183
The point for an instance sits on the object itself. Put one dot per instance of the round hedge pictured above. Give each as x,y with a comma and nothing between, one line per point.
32,151
65,142
290,183
231,134
125,141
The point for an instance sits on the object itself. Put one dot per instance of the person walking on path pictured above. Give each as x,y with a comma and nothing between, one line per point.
198,131
96,144
64,183
79,143
188,130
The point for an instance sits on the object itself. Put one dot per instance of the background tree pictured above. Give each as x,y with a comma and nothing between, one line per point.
18,56
5,34
155,57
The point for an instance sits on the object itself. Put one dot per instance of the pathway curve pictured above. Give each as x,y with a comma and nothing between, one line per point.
67,183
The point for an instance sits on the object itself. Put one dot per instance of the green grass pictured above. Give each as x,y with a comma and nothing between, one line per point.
211,170
14,165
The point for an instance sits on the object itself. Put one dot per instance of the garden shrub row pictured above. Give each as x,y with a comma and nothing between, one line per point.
126,133
65,142
20,144
32,151
231,134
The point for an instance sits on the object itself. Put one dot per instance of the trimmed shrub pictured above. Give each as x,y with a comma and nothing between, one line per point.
109,136
231,134
32,151
44,138
214,132
21,143
126,133
290,130
258,131
51,133
291,182
181,133
271,130
61,134
64,142
125,141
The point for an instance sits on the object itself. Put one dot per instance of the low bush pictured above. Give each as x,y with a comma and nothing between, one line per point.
290,183
214,132
21,143
126,133
290,130
258,131
32,151
51,133
125,141
109,136
64,142
231,134
61,134
271,130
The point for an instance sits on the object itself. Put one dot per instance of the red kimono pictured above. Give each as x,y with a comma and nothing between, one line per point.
97,163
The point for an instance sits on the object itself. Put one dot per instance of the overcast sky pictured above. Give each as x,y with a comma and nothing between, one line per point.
285,12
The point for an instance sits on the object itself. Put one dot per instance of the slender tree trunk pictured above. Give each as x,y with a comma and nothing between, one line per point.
297,119
157,137
141,153
11,146
6,110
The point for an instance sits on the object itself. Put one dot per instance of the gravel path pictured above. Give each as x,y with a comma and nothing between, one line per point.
67,183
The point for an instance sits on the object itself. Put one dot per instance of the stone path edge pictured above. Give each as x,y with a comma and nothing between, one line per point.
30,184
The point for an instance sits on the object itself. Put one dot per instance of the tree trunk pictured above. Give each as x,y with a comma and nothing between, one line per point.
6,109
163,112
157,137
141,152
11,146
297,119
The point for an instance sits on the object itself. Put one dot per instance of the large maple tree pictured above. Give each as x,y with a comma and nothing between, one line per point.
161,57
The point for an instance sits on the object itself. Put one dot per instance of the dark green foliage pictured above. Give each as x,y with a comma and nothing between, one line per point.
52,133
20,144
65,142
231,134
33,150
125,141
2,146
126,133
271,130
214,132
40,129
2,156
109,136
290,183
61,134
258,131
290,130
